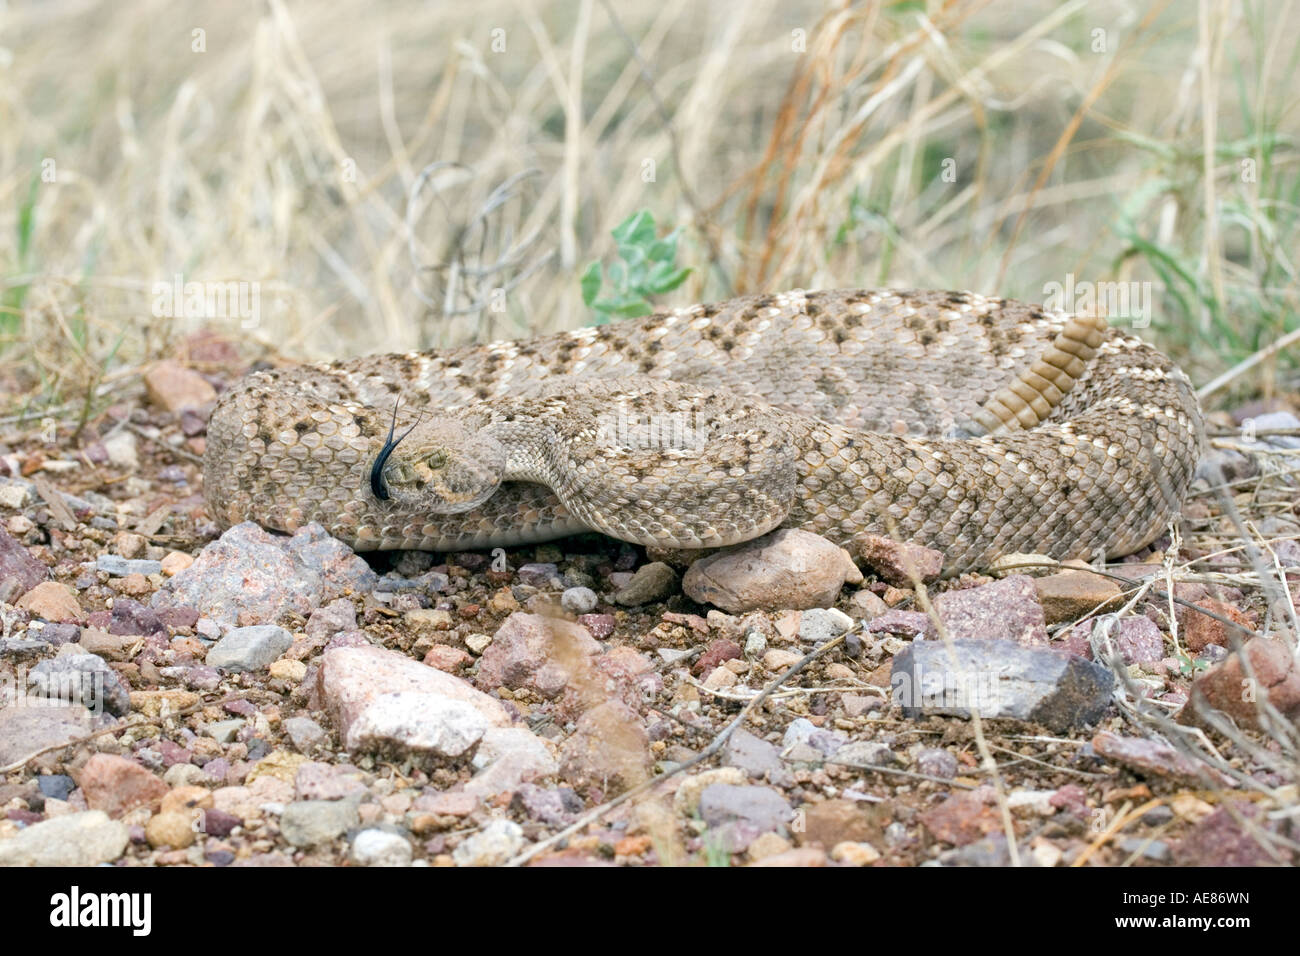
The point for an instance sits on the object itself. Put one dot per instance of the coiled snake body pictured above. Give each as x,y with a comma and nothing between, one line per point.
973,425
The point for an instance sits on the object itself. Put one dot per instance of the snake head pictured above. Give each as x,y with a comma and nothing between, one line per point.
438,466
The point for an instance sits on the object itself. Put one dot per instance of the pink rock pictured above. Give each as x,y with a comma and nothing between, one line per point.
895,561
537,652
117,785
1004,610
785,569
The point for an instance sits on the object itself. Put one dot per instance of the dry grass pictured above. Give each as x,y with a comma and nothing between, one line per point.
800,144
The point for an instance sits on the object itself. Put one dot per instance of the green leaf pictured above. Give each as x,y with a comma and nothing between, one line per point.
628,306
665,277
637,229
665,249
591,280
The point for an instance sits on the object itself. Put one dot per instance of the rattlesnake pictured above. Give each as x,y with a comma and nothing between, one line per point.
977,426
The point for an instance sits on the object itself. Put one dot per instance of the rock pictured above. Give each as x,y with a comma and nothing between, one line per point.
819,625
380,848
1227,688
111,647
133,618
1069,595
619,674
495,844
249,648
447,658
804,856
52,601
936,762
752,754
1221,840
174,562
762,807
175,387
855,854
307,823
75,839
719,651
353,679
896,561
578,600
323,781
1136,639
1156,757
962,819
832,822
117,785
540,653
19,571
305,733
1201,630
1004,610
864,753
778,660
81,679
542,574
609,749
508,757
249,576
25,730
787,568
557,806
170,830
415,722
1003,680
55,785
652,582
909,624
120,567
803,731
287,670
866,605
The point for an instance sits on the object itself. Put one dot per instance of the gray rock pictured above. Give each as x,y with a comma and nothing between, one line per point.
864,753
375,847
76,839
223,731
578,600
249,648
539,575
312,822
819,625
410,721
652,582
752,754
555,806
255,576
26,728
496,843
508,757
762,807
81,679
803,731
120,567
936,762
1001,679
305,733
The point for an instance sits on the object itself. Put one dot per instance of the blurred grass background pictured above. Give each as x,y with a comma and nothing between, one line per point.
996,147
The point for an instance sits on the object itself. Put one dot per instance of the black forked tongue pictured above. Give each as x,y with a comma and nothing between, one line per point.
377,469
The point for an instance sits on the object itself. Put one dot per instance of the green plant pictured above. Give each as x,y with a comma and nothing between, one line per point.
647,267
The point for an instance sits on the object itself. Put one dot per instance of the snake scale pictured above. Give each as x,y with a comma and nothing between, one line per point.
976,426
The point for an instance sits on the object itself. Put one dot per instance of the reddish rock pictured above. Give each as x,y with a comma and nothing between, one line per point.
446,658
1221,840
174,387
963,818
1201,629
1227,688
608,751
897,561
117,785
785,569
833,821
1155,757
1136,639
1004,610
1068,595
619,674
718,651
19,571
540,653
